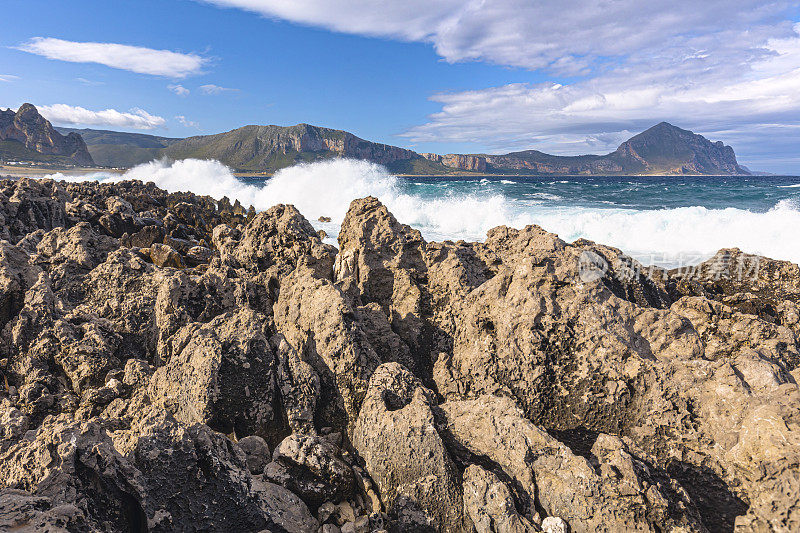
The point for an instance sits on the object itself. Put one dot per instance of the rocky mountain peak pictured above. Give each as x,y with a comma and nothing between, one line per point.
30,136
676,150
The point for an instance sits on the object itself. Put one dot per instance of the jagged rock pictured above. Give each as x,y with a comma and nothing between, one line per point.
278,237
23,512
198,255
17,275
300,387
285,509
13,424
566,380
748,283
317,320
145,237
397,438
200,479
75,464
33,204
222,374
384,259
548,475
165,256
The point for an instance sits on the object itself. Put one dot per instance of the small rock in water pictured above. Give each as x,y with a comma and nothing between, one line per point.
324,219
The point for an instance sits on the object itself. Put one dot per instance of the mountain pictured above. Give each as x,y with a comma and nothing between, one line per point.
662,149
25,135
269,148
120,149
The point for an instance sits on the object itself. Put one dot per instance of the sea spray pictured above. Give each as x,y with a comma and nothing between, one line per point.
668,236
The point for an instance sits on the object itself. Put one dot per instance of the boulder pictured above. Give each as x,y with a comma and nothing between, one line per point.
396,436
257,452
312,468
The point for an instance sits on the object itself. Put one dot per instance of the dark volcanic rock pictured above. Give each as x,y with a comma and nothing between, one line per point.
155,347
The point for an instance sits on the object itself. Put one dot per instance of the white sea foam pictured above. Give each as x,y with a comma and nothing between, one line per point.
665,236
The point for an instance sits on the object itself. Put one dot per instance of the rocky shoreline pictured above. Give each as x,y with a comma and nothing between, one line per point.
170,362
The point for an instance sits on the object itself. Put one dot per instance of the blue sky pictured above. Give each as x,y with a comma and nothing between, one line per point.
441,75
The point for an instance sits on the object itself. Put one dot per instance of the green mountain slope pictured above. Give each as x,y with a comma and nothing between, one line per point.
270,148
121,149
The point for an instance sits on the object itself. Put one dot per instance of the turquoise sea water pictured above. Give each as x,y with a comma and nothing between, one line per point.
756,193
665,220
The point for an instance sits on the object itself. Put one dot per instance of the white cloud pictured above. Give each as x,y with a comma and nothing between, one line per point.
180,90
133,58
186,122
67,114
565,36
212,89
8,77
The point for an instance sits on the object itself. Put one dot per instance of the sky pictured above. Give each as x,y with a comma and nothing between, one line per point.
475,76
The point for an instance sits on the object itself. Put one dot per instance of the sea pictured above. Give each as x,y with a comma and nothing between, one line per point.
670,221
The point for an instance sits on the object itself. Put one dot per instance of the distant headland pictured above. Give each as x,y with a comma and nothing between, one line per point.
27,138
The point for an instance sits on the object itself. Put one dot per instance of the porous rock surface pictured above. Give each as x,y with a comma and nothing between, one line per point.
172,362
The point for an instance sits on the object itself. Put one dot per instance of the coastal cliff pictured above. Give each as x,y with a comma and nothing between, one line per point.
265,148
173,362
474,163
27,136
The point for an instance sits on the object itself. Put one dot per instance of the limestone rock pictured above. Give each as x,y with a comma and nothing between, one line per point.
318,321
521,382
222,374
279,237
548,475
165,256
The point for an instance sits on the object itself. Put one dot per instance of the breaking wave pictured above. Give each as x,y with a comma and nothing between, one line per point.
667,237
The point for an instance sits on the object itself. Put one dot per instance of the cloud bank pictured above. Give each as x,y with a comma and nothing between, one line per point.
74,115
121,56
